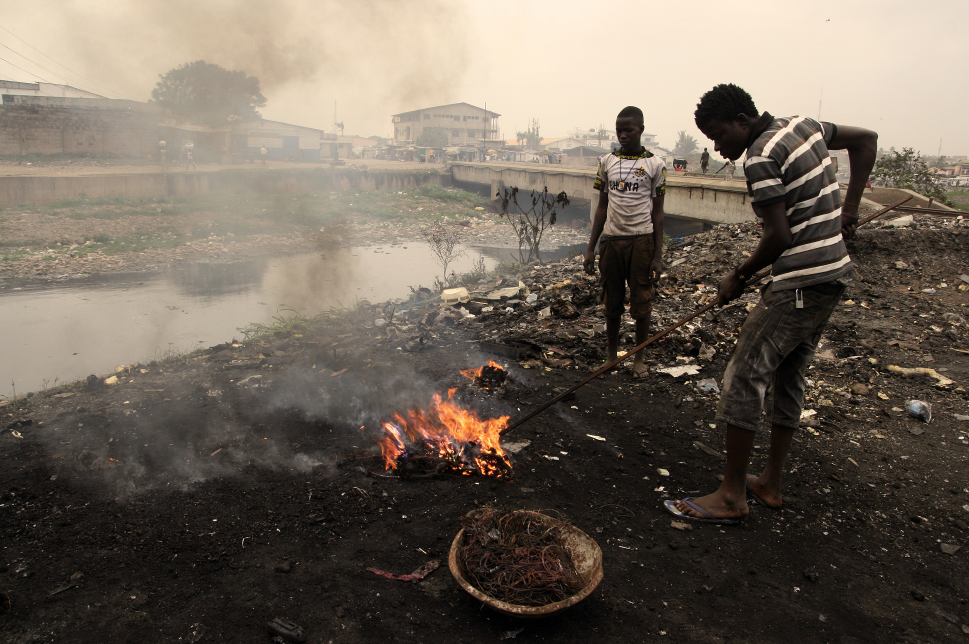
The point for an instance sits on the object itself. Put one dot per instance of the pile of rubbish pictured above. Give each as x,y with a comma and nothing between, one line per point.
904,307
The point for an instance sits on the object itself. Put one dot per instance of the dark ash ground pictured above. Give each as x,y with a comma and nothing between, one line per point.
200,500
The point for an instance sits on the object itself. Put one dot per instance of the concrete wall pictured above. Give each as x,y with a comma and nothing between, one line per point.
717,201
34,190
56,126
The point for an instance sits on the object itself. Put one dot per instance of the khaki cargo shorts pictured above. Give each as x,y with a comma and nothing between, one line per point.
625,260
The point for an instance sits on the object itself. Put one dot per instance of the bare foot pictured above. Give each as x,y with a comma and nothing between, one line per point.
762,494
716,506
640,370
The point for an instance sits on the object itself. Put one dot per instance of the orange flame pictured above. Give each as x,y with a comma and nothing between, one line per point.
448,431
476,373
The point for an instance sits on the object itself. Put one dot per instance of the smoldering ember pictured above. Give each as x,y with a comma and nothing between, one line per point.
251,489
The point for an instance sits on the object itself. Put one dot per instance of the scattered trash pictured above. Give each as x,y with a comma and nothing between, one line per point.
919,409
417,575
677,371
454,296
929,291
287,629
859,389
941,381
662,472
901,222
708,450
708,385
531,298
949,548
500,293
510,635
514,448
544,313
594,437
113,380
679,525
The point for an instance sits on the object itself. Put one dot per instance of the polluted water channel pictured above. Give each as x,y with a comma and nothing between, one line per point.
58,332
55,333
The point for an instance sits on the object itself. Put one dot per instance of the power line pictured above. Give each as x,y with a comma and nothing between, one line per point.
24,70
62,64
42,67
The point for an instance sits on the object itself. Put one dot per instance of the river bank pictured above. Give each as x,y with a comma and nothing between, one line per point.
84,237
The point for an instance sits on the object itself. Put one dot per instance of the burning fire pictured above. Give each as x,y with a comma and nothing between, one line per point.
476,373
448,432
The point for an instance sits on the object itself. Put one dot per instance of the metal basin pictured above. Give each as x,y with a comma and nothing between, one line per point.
586,555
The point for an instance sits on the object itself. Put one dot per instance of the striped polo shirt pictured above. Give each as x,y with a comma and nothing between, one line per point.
787,160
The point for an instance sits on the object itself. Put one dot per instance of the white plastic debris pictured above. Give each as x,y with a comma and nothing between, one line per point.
680,370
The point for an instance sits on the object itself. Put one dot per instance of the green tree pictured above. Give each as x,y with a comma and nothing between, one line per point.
207,94
908,170
685,144
432,137
530,139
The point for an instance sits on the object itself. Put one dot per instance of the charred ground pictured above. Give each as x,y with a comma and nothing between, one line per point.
201,498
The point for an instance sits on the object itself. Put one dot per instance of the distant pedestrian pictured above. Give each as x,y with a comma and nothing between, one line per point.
263,153
162,152
704,161
190,155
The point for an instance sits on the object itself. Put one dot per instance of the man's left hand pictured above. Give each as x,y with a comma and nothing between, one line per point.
655,270
730,288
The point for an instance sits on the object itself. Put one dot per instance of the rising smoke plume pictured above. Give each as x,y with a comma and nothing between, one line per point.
373,57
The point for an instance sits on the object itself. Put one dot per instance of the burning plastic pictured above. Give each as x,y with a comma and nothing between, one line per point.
449,437
490,376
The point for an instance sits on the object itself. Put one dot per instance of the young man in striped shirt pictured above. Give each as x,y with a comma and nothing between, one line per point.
793,190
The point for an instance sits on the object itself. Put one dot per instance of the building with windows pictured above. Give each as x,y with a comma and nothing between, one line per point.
460,123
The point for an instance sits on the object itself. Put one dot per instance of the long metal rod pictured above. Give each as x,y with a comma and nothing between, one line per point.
620,359
883,211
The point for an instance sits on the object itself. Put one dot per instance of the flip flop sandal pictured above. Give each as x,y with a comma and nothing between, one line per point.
706,517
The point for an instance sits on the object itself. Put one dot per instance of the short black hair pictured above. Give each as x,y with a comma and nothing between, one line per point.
632,112
723,103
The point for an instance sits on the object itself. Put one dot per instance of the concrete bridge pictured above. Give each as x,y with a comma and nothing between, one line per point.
717,200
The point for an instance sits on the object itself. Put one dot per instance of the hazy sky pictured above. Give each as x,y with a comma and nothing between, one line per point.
897,67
